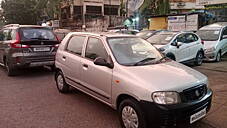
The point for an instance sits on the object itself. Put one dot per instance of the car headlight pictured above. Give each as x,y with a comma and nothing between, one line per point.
166,97
212,49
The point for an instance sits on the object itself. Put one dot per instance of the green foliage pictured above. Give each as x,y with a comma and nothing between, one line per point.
155,7
29,11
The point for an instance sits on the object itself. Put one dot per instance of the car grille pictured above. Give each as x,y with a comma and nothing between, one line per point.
193,94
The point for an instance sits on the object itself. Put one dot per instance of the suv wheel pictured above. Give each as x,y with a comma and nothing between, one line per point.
131,115
218,57
9,69
199,58
62,86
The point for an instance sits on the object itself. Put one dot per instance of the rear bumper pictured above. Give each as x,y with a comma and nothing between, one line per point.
32,61
174,115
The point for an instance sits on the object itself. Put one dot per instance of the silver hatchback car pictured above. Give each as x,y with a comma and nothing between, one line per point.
130,75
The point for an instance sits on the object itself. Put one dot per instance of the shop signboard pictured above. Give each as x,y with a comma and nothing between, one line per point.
210,2
192,22
176,23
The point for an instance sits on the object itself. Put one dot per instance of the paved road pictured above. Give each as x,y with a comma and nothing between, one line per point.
31,100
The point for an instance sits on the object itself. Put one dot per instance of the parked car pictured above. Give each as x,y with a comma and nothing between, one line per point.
24,46
130,75
182,47
145,34
215,40
125,31
61,33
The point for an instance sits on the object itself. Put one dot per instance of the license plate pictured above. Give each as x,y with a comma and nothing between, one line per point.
44,49
198,116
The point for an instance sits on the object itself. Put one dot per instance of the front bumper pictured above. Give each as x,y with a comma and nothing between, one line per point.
174,115
210,56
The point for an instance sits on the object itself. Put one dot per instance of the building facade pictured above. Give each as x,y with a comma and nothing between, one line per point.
215,7
81,14
184,6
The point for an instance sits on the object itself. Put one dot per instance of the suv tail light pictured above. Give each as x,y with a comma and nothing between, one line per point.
17,43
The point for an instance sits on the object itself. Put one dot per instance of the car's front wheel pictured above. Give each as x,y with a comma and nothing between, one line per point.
131,115
218,57
199,58
62,86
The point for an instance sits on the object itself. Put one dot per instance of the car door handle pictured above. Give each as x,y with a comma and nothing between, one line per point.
63,58
85,65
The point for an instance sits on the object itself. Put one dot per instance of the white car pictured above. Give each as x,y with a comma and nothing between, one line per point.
182,47
215,40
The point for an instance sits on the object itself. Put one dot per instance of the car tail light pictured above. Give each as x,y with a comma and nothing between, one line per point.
57,37
17,43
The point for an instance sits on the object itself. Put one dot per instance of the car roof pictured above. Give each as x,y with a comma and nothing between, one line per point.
101,34
215,26
14,26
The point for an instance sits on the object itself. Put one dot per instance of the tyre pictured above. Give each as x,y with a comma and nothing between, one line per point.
62,86
199,58
52,68
131,115
9,69
218,57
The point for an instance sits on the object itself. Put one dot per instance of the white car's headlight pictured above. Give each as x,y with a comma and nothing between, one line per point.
166,97
212,49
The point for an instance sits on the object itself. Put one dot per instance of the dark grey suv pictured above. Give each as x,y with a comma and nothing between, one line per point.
24,46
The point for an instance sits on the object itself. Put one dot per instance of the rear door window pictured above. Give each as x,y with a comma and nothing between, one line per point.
37,34
190,38
75,45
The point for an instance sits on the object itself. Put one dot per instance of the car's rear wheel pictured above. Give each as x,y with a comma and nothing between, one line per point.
218,57
131,115
62,86
9,69
199,58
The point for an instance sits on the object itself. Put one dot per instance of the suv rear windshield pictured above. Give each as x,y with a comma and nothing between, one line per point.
37,34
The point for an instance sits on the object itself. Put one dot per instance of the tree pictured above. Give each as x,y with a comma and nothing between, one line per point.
20,11
29,11
155,7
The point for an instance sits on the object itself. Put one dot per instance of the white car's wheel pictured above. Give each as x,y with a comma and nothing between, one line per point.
199,58
218,57
131,115
62,86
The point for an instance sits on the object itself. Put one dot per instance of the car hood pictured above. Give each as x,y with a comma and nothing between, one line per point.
169,76
210,44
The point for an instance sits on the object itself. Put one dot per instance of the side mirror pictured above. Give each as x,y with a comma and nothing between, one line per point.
224,37
178,44
102,62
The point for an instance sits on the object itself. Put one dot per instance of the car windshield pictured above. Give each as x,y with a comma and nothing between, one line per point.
161,38
133,51
37,34
208,35
145,34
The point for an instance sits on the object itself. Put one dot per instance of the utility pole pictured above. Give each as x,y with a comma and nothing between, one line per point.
127,8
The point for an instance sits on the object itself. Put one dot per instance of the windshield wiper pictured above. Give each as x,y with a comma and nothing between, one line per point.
143,61
39,38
